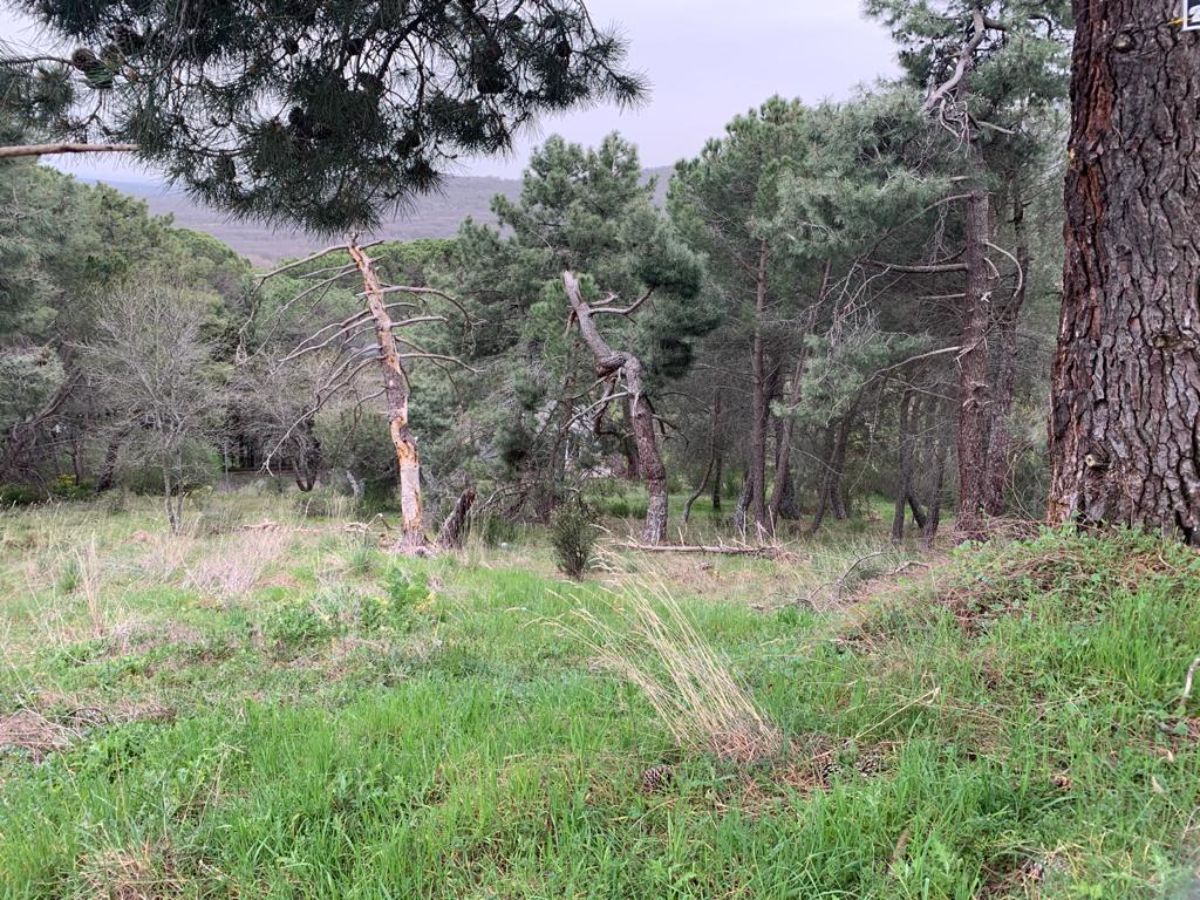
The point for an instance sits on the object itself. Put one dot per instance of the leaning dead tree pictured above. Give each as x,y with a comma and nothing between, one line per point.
393,350
614,366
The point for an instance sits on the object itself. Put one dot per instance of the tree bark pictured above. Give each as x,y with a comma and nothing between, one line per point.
454,530
610,362
783,497
999,445
759,409
396,393
713,459
1125,420
973,381
904,476
941,447
718,475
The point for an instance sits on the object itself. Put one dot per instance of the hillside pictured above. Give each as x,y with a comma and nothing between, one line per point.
437,215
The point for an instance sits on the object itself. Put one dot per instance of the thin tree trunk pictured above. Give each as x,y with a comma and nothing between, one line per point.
941,448
718,476
759,409
973,371
904,479
108,472
999,446
713,458
607,363
629,446
782,491
832,496
743,505
396,392
1125,422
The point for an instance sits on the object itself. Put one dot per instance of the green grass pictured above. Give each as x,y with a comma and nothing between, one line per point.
354,725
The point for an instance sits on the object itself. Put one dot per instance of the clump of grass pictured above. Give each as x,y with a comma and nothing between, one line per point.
687,683
237,564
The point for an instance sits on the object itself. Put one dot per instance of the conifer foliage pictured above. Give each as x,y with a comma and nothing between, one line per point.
319,113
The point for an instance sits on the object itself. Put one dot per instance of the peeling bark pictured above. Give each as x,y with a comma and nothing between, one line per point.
396,393
1125,421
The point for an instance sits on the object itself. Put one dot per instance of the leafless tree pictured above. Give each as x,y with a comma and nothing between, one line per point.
155,375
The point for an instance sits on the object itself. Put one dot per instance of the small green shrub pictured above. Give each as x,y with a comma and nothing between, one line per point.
20,495
406,589
573,536
497,530
65,487
306,622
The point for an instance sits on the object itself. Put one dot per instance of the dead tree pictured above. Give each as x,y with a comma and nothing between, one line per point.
393,347
621,365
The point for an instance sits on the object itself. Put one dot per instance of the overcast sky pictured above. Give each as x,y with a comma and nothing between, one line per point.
706,60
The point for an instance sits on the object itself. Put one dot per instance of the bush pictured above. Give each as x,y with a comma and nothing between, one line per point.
19,495
497,530
573,535
324,503
66,488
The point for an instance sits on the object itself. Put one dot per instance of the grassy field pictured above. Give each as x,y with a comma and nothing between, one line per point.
288,711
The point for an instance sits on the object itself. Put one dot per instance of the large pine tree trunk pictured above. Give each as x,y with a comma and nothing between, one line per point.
1125,422
395,389
610,362
973,369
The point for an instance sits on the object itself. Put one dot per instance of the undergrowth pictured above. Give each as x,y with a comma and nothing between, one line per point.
319,719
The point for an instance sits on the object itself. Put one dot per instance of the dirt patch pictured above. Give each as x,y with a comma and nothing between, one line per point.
29,732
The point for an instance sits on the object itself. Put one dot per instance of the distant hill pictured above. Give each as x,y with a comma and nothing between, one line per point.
437,215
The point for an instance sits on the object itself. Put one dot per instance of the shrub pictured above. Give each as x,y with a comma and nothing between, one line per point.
65,487
304,623
573,535
497,530
324,503
19,495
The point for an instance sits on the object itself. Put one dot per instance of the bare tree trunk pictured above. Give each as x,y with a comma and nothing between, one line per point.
783,492
973,365
904,477
941,448
396,391
454,530
713,459
1125,422
609,362
742,505
832,495
999,446
633,464
759,404
718,475
108,472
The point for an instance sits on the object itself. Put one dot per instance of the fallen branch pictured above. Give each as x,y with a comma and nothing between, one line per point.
718,549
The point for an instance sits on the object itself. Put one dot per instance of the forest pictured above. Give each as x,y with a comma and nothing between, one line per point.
815,518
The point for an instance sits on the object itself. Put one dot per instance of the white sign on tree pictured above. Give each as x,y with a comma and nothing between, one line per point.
1191,15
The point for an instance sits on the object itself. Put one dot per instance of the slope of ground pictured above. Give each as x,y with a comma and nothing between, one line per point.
286,711
436,215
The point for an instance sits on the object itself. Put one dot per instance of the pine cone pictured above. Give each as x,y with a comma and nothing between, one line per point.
657,778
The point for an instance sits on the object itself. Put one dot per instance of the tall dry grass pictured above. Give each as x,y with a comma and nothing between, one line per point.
655,647
235,564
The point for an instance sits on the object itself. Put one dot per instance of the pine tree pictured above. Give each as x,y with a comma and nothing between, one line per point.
317,113
1125,425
